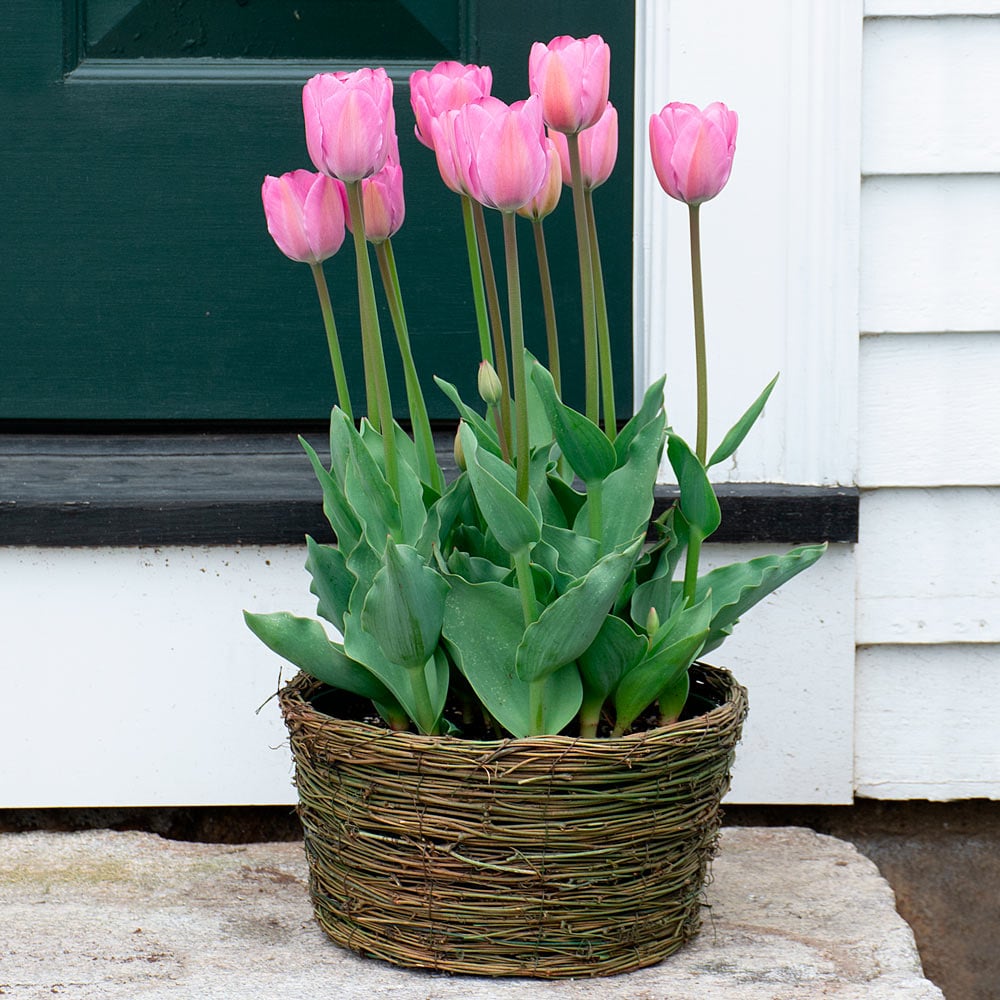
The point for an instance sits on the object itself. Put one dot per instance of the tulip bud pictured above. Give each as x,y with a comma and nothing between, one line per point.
458,450
490,388
652,622
544,203
692,150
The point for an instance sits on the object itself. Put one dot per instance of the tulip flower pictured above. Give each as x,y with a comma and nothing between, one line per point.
598,150
571,75
382,198
442,130
693,150
500,152
445,88
305,215
350,123
544,203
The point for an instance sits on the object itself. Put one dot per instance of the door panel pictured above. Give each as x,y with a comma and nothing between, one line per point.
139,281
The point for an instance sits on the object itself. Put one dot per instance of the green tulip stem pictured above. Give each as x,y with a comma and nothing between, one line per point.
701,361
603,329
476,275
430,471
529,605
496,320
424,709
548,304
372,335
332,340
586,282
517,352
691,566
590,717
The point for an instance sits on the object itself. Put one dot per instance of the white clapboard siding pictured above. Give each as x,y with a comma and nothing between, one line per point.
930,8
779,243
137,682
930,97
926,722
930,253
929,410
928,566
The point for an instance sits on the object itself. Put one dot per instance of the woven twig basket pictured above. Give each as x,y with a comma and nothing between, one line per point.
547,856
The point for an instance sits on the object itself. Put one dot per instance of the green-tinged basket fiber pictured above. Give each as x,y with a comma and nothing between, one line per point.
546,856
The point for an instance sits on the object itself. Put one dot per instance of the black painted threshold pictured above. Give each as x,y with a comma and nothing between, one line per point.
258,489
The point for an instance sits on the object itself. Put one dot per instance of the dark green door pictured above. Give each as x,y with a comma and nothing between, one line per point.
139,282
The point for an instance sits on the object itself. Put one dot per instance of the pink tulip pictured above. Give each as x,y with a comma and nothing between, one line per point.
544,203
446,87
305,215
499,151
598,150
382,199
447,153
693,150
350,124
571,75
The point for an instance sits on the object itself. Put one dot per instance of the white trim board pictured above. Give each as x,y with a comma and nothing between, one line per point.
780,242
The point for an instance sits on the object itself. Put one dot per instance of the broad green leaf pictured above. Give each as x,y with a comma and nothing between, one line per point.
361,646
627,500
643,683
443,514
405,607
371,496
738,587
483,626
657,591
338,512
331,582
514,525
342,429
539,429
538,476
568,626
568,499
411,503
741,428
615,650
577,553
475,569
585,445
652,403
674,696
486,435
304,642
698,502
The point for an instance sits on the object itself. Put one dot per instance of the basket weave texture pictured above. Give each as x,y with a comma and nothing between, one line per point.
545,856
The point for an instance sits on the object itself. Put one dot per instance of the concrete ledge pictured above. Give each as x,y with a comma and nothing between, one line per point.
789,914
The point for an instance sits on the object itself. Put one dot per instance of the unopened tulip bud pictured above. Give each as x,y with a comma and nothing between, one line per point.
652,622
490,388
458,450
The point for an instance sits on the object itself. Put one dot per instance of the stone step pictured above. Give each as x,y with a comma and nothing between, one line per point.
108,916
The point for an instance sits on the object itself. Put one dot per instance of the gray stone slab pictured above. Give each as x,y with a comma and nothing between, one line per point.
109,916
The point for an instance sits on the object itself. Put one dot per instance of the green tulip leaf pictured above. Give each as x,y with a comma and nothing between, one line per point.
514,525
332,583
736,588
370,496
486,435
674,696
411,506
652,404
741,428
577,553
568,626
442,515
585,445
343,520
698,502
616,649
304,642
483,626
404,609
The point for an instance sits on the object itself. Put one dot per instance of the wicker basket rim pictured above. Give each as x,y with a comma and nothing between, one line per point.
293,699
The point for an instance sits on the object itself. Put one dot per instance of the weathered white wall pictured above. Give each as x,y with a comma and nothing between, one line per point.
928,561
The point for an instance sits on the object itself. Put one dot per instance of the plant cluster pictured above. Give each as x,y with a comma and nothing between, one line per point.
530,591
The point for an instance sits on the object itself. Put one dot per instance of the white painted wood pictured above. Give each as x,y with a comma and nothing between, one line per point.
928,566
931,90
930,410
130,678
930,8
930,254
780,242
926,724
